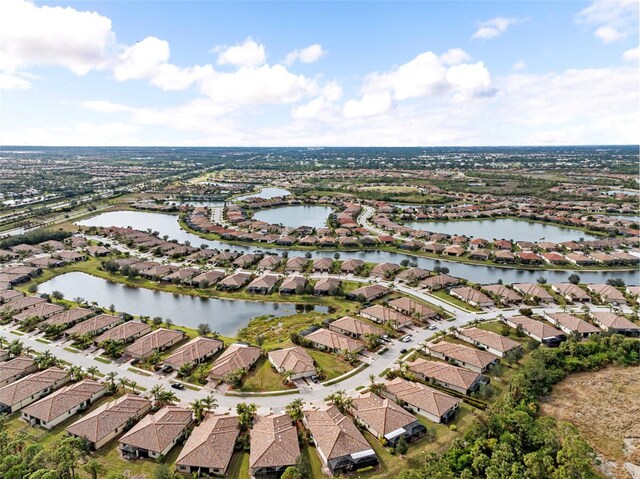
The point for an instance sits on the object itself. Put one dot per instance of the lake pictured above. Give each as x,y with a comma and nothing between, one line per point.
295,216
168,224
266,193
225,316
504,228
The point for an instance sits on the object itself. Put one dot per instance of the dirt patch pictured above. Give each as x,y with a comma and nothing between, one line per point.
605,407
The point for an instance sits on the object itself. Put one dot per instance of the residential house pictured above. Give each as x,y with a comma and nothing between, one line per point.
350,266
428,402
111,419
386,420
155,342
264,284
411,275
210,447
293,285
208,278
64,403
541,332
488,340
570,292
156,434
124,333
354,327
297,264
39,311
502,293
67,318
571,324
340,445
296,361
417,311
322,265
440,281
383,315
29,389
16,368
327,340
384,270
534,291
368,293
194,352
326,286
607,293
234,281
273,446
615,323
93,326
471,296
237,356
447,375
269,262
470,358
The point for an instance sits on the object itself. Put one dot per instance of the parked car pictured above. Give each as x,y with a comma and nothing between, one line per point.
177,386
432,327
167,368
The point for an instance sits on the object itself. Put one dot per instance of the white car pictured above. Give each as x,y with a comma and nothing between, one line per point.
406,339
432,327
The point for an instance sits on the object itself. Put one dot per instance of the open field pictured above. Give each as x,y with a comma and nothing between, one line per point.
605,407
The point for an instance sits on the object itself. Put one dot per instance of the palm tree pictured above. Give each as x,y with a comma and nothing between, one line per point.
246,413
340,400
123,383
16,348
198,408
46,360
110,379
374,387
92,371
162,397
77,373
210,403
294,409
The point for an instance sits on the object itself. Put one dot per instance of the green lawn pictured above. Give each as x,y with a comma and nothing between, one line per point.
330,364
263,378
315,463
239,467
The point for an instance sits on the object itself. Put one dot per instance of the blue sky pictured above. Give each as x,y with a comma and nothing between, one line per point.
319,73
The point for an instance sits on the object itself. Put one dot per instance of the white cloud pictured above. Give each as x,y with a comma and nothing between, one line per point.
454,56
142,60
495,27
80,134
247,54
519,66
371,104
13,82
322,107
103,106
310,54
615,19
32,35
632,55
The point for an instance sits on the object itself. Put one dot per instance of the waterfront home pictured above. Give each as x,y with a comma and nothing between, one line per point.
20,303
327,340
634,292
273,445
488,340
386,420
528,257
15,369
64,403
504,256
571,324
207,278
326,286
44,262
440,281
71,256
124,333
93,326
470,358
98,251
471,296
210,447
111,419
181,275
354,327
454,250
428,402
194,352
480,255
340,445
234,281
383,315
67,318
264,284
245,260
570,292
158,272
607,293
554,258
411,275
384,270
156,434
615,323
322,265
368,293
580,259
502,293
39,311
29,389
446,375
541,332
269,262
9,294
534,291
296,361
155,342
293,285
417,311
237,356
297,264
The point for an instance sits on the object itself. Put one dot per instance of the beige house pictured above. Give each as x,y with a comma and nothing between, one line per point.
295,360
110,420
194,352
327,340
264,284
27,390
67,318
417,311
237,356
156,434
428,402
488,340
471,296
368,293
386,420
470,358
40,311
571,324
61,405
274,446
607,293
355,328
15,369
541,332
571,292
383,315
615,323
125,332
157,341
209,449
534,291
447,375
340,445
96,325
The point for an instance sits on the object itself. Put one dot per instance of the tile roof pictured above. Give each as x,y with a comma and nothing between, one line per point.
237,356
274,442
573,323
356,326
67,398
28,386
490,339
296,360
194,350
155,432
14,367
333,340
124,331
380,414
211,444
537,328
334,433
465,354
427,399
154,341
444,372
94,324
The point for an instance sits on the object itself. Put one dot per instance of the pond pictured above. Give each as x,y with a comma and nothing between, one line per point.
225,316
505,228
266,193
168,224
295,216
